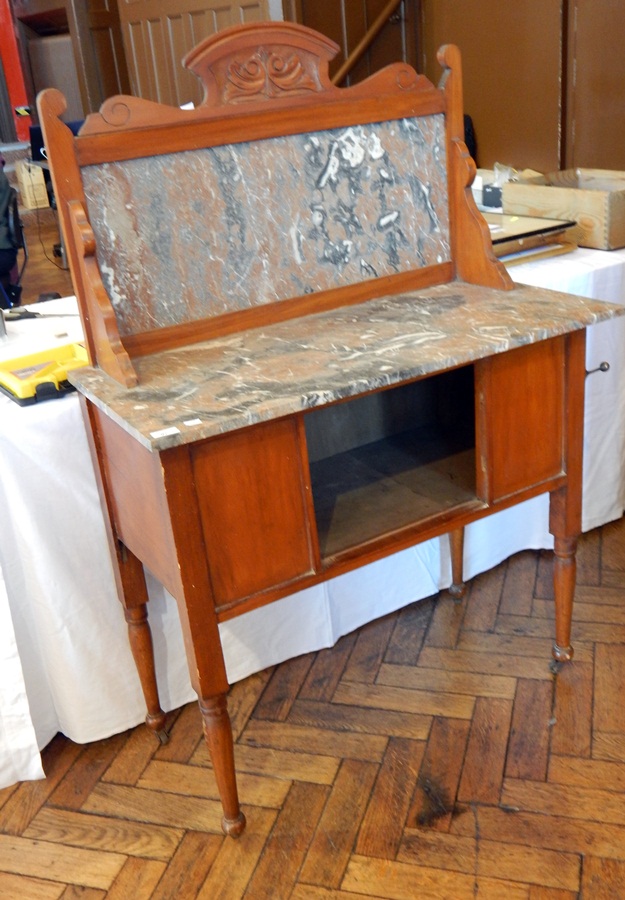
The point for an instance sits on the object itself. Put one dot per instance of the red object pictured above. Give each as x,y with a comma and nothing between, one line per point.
11,63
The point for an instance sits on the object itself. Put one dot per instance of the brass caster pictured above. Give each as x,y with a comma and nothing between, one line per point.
156,724
233,827
458,591
562,654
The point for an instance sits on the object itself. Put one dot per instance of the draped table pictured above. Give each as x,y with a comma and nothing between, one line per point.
62,632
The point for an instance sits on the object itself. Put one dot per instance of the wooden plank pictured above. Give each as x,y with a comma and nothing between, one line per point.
401,699
318,768
517,646
445,624
138,878
368,653
588,558
41,859
518,589
243,697
148,806
298,738
236,860
612,550
483,600
285,850
608,746
608,708
189,867
327,669
492,859
409,632
185,734
593,804
585,633
608,775
282,689
543,829
98,832
488,662
434,798
382,827
602,879
573,710
486,751
136,753
528,749
339,717
199,781
385,878
440,680
12,886
332,844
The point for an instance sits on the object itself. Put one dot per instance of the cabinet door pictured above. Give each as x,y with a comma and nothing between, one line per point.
253,493
521,403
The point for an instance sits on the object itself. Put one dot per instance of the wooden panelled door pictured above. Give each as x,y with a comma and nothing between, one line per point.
108,58
159,33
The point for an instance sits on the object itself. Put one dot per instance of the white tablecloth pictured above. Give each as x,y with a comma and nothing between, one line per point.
66,664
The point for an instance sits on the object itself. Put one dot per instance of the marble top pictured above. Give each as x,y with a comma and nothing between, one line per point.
205,389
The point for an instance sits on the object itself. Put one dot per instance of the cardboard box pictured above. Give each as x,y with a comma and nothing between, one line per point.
594,198
32,185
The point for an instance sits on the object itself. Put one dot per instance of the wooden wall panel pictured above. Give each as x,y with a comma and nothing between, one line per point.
110,71
595,126
512,62
158,33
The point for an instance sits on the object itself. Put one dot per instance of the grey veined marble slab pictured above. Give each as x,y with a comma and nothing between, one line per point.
230,382
263,221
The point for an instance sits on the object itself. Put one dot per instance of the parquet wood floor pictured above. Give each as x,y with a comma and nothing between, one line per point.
44,272
433,754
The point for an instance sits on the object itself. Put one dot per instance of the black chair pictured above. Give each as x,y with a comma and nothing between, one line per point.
10,285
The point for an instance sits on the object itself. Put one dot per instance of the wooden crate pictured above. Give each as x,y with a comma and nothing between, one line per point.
594,198
32,185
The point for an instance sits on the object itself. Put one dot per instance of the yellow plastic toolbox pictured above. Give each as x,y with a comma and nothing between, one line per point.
43,375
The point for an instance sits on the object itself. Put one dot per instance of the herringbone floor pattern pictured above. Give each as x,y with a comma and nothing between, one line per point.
432,754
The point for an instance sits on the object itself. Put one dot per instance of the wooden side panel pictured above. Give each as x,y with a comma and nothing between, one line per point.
138,504
254,499
521,397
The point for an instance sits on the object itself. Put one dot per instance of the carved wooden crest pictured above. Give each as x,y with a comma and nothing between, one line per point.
261,62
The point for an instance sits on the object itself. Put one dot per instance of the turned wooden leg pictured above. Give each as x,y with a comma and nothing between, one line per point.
140,637
130,584
564,569
456,547
218,734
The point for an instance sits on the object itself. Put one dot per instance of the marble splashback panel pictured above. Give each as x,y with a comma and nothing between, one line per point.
203,232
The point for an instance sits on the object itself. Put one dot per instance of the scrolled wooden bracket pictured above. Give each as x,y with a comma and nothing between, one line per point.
110,353
473,253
